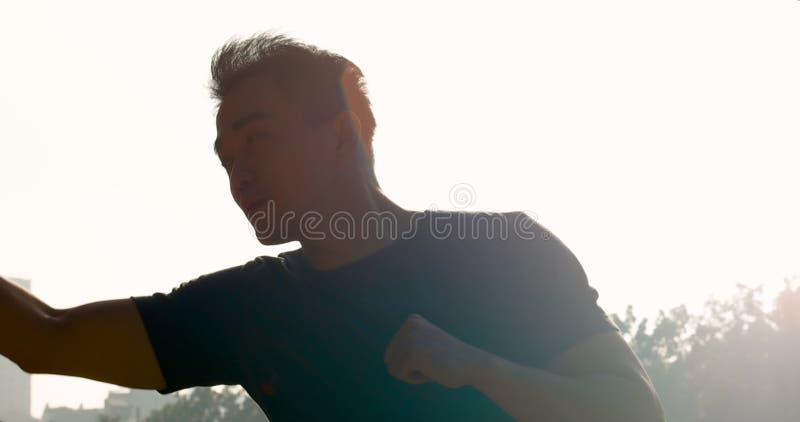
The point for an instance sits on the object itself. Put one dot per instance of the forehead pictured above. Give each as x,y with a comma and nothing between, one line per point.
253,94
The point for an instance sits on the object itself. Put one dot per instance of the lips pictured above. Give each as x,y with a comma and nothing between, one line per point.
252,206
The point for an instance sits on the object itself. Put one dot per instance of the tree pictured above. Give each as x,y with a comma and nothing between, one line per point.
733,362
206,405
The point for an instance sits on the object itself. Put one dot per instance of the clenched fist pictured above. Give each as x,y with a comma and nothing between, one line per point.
420,352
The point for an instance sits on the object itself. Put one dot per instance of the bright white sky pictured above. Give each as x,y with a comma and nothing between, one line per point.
658,140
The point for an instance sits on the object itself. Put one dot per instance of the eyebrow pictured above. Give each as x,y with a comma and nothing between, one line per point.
242,122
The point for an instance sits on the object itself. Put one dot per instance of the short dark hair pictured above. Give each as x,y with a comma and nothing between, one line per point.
321,82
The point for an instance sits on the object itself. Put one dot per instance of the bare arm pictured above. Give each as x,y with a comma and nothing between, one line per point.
600,379
104,341
22,316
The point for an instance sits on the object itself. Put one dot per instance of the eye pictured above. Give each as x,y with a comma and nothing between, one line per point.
256,136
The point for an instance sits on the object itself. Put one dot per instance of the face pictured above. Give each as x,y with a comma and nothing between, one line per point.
277,164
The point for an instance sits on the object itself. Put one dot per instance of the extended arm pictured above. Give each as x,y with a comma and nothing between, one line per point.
24,322
104,341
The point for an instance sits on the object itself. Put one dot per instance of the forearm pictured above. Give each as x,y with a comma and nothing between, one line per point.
530,394
23,322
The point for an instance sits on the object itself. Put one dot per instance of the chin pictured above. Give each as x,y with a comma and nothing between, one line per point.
272,241
271,238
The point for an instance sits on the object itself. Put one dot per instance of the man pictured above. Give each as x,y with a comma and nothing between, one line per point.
382,314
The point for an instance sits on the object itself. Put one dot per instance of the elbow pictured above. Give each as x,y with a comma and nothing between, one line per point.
633,400
18,358
653,413
39,347
650,412
657,410
26,366
648,408
654,408
635,408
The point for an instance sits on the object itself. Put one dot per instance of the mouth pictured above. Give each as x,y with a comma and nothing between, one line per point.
253,206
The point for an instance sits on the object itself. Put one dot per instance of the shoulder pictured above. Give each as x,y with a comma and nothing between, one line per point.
532,260
536,243
234,279
515,239
484,228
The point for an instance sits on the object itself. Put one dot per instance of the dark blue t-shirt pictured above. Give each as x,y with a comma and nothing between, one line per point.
308,345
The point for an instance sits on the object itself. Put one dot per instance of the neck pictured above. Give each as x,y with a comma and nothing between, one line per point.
366,221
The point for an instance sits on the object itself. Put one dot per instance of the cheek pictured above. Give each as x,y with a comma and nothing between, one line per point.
283,177
310,183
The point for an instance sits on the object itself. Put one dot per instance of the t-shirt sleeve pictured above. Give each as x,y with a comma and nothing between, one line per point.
566,309
575,312
191,329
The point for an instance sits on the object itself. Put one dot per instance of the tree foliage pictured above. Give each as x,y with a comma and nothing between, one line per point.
735,361
206,405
